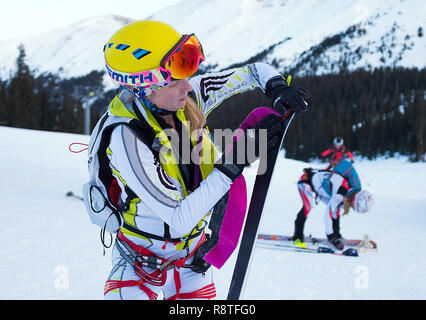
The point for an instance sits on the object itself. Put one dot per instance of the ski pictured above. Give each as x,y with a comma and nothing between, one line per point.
254,214
350,252
365,243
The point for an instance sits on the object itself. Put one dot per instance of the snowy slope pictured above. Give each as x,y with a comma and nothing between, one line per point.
50,250
235,31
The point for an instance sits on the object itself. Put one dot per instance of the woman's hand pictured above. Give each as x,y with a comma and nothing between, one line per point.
257,140
285,97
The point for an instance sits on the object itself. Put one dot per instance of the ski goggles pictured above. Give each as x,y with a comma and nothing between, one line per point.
180,62
184,58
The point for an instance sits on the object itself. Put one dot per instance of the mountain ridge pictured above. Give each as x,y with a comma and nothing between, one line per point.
311,37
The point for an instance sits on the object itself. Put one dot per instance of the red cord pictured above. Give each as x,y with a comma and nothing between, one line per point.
78,151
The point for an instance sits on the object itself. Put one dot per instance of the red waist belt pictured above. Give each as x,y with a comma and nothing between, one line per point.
142,257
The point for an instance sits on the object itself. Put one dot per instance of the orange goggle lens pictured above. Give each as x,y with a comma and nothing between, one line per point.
184,58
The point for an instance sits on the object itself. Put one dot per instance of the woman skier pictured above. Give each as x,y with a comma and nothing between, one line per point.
164,195
337,152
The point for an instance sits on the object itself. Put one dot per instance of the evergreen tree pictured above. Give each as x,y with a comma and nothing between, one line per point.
419,129
3,104
21,101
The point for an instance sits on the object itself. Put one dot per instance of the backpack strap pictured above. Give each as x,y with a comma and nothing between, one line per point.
104,173
308,173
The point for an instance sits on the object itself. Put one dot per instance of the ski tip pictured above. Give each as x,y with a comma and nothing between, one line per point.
367,243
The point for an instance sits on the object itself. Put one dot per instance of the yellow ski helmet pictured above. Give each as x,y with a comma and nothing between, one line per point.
147,54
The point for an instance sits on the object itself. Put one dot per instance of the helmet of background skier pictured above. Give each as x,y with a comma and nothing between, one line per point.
338,141
363,201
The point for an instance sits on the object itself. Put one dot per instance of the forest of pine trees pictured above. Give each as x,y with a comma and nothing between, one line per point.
42,103
379,112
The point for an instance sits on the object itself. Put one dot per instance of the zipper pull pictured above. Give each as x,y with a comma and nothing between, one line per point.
165,244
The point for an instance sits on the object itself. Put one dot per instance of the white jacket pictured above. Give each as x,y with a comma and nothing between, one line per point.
161,198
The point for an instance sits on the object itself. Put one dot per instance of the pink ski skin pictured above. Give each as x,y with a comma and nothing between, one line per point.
236,208
232,224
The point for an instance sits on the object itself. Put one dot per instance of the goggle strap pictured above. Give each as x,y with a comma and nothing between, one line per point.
143,78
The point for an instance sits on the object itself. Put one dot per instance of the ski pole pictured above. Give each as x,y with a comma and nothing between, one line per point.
71,194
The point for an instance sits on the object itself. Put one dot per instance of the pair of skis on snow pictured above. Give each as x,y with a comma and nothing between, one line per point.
315,245
350,252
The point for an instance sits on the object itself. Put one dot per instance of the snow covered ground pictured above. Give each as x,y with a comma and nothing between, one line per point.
49,249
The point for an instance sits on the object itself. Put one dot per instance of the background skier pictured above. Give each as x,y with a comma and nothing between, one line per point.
337,191
337,152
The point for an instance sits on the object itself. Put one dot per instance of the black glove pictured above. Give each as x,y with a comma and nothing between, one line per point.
232,164
199,265
284,97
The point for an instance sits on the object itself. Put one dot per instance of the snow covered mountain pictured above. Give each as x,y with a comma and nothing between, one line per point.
314,36
74,50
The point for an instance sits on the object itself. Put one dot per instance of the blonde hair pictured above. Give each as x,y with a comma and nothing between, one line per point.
346,206
194,115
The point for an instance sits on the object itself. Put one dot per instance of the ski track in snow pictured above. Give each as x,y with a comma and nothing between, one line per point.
51,250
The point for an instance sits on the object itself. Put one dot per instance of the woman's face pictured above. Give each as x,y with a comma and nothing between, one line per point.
172,97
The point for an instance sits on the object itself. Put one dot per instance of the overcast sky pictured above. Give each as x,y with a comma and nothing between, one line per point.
27,17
